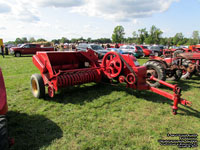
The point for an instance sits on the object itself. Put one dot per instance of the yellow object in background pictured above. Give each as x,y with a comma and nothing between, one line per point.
1,42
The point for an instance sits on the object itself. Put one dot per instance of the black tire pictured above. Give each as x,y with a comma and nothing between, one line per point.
156,54
17,54
37,86
177,76
159,71
4,144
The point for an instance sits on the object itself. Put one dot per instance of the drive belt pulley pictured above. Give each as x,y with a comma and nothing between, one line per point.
113,64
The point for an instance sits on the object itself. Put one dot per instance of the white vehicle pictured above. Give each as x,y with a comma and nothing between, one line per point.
95,47
136,50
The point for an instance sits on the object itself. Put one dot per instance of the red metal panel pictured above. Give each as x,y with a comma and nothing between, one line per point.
3,99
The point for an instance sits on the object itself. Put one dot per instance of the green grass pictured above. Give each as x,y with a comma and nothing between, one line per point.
93,116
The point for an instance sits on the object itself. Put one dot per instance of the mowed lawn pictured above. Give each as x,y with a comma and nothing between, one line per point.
93,116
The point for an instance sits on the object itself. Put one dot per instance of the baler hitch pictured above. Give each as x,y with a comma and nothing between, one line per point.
175,96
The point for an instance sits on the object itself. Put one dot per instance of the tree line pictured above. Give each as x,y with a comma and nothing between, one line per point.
154,36
142,36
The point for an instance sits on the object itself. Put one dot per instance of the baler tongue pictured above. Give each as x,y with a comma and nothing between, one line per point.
176,96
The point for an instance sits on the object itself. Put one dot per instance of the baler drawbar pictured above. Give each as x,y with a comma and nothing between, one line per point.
63,69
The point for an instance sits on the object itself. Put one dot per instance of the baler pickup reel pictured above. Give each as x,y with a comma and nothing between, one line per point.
63,69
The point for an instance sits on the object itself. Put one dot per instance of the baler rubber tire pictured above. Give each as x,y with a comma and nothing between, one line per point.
159,70
39,83
4,143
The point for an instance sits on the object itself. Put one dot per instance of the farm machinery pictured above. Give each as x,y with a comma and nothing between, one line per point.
177,66
64,69
5,141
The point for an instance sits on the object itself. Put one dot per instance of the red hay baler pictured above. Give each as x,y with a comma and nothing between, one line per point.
63,69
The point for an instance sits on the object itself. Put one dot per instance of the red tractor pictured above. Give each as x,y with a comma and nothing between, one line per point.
177,66
64,69
4,142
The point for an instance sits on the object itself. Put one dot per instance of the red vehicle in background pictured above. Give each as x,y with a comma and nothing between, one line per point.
26,49
195,47
147,52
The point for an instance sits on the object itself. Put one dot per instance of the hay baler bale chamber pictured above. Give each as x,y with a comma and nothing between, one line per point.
64,69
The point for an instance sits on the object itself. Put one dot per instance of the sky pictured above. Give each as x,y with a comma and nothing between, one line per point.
53,19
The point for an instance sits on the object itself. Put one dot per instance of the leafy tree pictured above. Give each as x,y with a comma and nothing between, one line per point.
155,35
143,34
24,40
32,39
55,41
135,37
118,34
164,41
89,40
73,40
41,40
18,41
63,40
104,40
178,38
195,37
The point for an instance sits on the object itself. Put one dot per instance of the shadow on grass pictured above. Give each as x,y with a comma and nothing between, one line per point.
31,132
193,112
87,93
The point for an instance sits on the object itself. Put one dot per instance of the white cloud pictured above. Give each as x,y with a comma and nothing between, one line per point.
4,8
2,28
59,3
25,11
123,10
117,10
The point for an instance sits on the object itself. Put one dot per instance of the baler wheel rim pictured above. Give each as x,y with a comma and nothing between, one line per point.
34,86
37,86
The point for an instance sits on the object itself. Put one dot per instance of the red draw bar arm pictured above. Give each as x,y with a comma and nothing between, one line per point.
175,96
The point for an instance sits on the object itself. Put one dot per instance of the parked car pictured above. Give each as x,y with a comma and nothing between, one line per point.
119,51
156,50
26,49
95,47
146,52
136,50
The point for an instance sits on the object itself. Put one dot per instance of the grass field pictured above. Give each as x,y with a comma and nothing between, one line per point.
93,116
